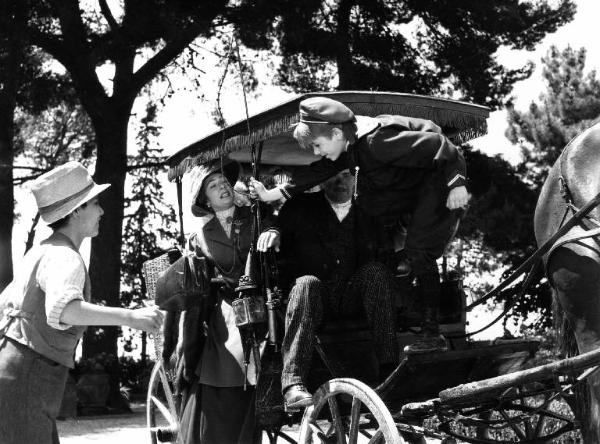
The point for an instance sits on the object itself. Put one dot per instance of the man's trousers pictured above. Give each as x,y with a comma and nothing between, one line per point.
370,288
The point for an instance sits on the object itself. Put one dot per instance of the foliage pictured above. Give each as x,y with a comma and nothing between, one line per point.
52,137
413,46
501,219
135,374
497,234
26,85
569,105
149,220
99,363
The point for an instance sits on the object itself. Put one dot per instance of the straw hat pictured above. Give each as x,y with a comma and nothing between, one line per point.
62,190
229,168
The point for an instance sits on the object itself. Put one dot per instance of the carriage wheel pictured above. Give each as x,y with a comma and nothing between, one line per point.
346,399
161,413
529,419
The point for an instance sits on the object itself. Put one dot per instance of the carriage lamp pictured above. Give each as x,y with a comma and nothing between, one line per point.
249,307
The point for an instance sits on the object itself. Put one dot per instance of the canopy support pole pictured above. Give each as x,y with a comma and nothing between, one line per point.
181,236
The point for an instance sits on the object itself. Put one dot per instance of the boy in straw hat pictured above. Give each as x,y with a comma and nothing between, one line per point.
45,309
402,166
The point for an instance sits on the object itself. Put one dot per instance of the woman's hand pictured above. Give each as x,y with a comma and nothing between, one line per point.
457,198
268,239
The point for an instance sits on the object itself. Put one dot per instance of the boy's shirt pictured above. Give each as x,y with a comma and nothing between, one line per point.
394,160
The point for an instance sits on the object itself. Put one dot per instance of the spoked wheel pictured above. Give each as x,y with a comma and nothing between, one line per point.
528,418
347,411
161,412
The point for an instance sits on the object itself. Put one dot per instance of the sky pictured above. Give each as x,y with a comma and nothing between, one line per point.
581,32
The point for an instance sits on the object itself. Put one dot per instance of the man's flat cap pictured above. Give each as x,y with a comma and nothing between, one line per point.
324,110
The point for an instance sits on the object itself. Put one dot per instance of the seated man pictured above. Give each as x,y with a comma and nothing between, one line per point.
329,247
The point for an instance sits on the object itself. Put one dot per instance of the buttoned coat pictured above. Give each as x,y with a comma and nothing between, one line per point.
226,258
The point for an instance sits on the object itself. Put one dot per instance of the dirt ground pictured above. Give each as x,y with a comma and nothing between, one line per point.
113,429
119,429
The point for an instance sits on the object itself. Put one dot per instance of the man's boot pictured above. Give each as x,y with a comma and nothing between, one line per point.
430,339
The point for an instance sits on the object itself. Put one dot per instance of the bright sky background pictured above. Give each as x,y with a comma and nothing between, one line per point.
581,32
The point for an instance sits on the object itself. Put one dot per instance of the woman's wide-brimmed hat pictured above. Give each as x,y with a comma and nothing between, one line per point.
229,168
62,190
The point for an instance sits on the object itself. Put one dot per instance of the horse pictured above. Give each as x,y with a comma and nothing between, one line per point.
573,266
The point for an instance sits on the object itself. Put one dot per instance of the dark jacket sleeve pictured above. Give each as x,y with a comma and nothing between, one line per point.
397,143
286,224
306,177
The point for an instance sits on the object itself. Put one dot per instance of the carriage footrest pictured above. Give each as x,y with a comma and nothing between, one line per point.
419,409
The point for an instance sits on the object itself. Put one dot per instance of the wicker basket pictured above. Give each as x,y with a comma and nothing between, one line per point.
151,270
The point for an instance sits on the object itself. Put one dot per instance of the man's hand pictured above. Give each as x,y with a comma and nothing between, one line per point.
148,319
457,198
268,239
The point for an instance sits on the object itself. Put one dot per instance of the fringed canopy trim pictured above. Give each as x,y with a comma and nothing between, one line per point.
461,122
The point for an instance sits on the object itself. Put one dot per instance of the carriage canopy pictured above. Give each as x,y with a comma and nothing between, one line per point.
460,121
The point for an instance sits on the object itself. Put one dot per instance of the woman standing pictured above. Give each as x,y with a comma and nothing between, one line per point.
218,408
44,310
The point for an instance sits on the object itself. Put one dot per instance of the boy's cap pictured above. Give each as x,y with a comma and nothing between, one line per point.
325,110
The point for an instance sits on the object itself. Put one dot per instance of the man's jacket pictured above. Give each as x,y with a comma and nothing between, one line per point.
307,225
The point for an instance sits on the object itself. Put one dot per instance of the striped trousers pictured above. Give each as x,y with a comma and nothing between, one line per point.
371,289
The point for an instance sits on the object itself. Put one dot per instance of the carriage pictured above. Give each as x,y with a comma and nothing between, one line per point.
478,391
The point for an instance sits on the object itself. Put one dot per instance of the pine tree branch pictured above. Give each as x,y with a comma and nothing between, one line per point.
146,165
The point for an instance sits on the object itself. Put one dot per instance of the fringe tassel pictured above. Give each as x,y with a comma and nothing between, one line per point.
461,122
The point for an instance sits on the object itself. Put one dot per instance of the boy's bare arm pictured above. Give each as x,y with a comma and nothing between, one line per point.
78,312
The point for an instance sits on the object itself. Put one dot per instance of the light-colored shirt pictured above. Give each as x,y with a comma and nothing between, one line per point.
60,274
341,210
225,218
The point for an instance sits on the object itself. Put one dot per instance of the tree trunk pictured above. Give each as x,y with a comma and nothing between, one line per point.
11,53
105,258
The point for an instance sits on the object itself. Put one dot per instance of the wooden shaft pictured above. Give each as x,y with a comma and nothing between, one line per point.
473,390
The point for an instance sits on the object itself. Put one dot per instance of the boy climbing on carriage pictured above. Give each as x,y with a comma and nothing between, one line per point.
404,169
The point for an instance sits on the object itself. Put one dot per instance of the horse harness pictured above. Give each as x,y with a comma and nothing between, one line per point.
578,232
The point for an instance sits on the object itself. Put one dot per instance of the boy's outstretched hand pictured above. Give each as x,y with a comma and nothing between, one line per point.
257,189
457,198
148,319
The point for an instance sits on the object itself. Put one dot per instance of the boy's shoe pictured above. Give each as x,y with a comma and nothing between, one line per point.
296,398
